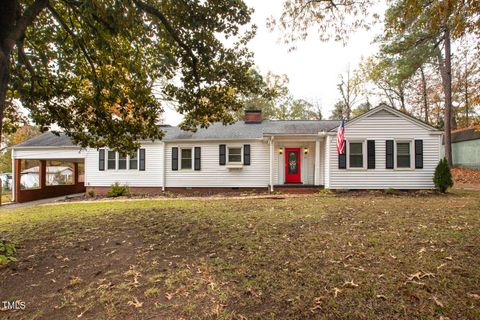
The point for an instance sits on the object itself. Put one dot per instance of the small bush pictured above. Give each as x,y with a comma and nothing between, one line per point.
118,190
443,177
91,194
7,252
326,191
389,191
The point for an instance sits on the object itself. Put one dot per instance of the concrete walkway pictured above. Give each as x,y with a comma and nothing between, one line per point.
60,199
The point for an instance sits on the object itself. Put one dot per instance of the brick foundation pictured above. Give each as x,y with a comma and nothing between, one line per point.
102,191
199,191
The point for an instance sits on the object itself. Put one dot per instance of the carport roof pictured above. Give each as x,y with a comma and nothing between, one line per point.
48,139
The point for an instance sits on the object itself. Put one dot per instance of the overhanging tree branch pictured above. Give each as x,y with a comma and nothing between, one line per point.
24,21
151,10
64,25
26,62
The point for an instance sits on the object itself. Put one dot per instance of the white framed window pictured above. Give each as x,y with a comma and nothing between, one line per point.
356,154
122,162
404,154
234,155
119,161
133,161
111,160
186,158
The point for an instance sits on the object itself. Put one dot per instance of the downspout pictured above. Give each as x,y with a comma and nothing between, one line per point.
164,148
270,142
13,176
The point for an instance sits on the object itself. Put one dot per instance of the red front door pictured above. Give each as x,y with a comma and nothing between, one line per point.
292,165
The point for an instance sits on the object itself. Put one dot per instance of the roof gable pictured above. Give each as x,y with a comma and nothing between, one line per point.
383,109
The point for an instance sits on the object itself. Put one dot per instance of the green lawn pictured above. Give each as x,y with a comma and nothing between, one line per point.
351,256
6,196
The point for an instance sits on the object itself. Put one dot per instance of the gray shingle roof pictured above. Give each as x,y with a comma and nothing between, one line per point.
242,130
466,134
239,130
48,139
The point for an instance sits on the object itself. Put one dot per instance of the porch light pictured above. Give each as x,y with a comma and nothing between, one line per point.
305,150
280,150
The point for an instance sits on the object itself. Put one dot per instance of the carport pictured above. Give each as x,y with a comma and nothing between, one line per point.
47,166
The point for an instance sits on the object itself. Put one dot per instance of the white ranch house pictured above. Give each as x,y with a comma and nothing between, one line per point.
384,149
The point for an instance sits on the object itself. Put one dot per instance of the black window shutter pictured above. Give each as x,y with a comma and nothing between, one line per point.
142,160
174,158
197,158
419,154
246,154
342,158
389,154
101,159
371,154
222,154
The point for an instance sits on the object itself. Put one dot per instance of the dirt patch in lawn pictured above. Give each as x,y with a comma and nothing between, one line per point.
366,256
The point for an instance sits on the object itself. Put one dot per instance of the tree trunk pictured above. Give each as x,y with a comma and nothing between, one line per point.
7,21
446,72
424,93
467,107
401,95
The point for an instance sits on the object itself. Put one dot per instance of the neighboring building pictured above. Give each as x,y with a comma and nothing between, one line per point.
385,148
6,179
466,148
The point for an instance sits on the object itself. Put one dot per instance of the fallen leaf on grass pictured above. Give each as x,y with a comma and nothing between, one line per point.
438,302
381,296
169,296
414,276
474,296
317,305
416,282
336,291
135,303
350,284
441,266
420,275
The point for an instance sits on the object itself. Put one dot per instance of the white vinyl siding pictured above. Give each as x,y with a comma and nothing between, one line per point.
49,153
382,126
151,177
214,175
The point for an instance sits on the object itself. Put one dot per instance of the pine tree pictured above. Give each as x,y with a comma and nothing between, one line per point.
443,176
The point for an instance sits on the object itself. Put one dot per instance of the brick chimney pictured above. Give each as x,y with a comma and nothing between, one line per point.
253,116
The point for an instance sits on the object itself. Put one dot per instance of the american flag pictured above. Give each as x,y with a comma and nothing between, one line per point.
341,138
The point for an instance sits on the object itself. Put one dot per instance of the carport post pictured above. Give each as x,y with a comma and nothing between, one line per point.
75,173
16,178
43,174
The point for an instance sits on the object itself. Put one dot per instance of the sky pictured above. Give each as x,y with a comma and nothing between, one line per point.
313,68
